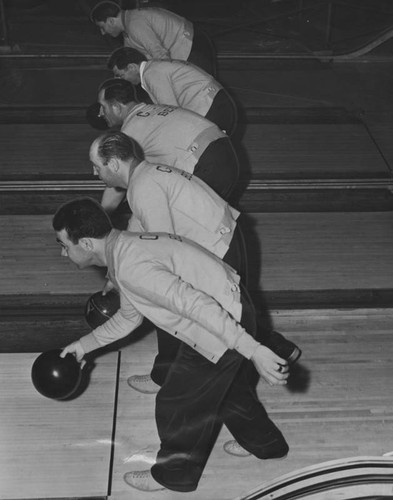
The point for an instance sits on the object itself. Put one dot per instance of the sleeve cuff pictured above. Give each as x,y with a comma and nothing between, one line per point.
246,345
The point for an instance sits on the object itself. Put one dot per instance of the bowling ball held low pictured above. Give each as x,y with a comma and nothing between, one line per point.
55,377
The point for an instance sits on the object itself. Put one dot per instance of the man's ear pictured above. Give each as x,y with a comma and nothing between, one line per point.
86,244
116,107
111,21
132,67
114,164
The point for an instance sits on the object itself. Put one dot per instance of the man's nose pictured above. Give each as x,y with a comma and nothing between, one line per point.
63,252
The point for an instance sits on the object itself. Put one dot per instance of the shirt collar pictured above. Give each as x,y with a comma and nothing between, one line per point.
110,242
141,71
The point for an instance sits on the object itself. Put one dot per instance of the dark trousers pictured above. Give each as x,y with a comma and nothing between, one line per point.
223,112
203,52
196,398
218,166
167,344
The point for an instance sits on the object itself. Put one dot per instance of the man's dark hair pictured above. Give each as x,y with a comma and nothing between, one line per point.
100,12
116,144
82,218
123,56
119,90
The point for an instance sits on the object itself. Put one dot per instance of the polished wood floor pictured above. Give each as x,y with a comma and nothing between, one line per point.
337,404
55,448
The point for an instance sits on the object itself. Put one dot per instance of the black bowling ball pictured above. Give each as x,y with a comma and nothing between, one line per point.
55,377
99,308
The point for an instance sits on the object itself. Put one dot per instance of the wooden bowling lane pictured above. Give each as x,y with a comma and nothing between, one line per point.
312,151
337,404
291,83
61,84
43,152
55,449
267,151
62,31
290,255
330,257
